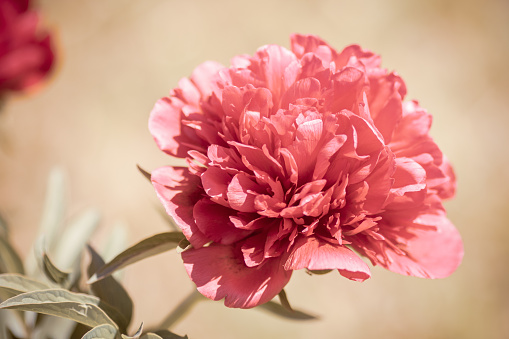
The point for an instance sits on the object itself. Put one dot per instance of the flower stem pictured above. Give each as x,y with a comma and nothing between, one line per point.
181,310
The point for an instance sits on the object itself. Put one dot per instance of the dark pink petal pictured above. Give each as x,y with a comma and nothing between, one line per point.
179,191
219,272
213,220
315,254
215,183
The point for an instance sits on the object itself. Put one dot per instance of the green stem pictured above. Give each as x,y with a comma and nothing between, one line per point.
181,310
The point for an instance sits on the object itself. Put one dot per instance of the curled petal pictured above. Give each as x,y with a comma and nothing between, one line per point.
315,254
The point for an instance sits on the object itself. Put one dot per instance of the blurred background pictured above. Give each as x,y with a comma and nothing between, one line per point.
116,58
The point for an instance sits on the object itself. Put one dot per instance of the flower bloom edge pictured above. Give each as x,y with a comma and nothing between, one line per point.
299,159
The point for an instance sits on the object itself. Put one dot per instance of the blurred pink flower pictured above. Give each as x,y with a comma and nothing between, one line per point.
297,158
25,51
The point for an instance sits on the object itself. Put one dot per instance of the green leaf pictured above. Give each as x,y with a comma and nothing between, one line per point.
318,272
136,335
105,331
150,336
145,173
74,238
53,273
4,230
15,284
281,311
183,245
110,291
78,307
11,262
284,300
154,245
162,334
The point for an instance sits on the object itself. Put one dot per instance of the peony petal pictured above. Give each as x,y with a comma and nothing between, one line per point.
179,191
315,254
203,77
241,193
166,128
430,253
219,272
215,183
213,220
408,177
273,62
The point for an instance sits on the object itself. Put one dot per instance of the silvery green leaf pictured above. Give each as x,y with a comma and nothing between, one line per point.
136,335
281,311
116,241
110,291
74,237
102,332
16,284
52,215
11,262
53,273
162,334
53,327
154,245
78,307
54,207
12,321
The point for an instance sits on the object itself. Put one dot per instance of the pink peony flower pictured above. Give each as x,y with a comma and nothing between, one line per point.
25,52
296,160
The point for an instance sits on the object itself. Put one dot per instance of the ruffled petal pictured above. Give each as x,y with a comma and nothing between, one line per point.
179,191
315,254
219,272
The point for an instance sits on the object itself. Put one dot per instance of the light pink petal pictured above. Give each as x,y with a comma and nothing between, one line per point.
273,62
408,177
315,254
302,44
415,124
166,128
367,58
429,254
219,272
242,193
203,77
179,191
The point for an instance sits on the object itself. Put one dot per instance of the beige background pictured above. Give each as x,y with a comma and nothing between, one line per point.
117,57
